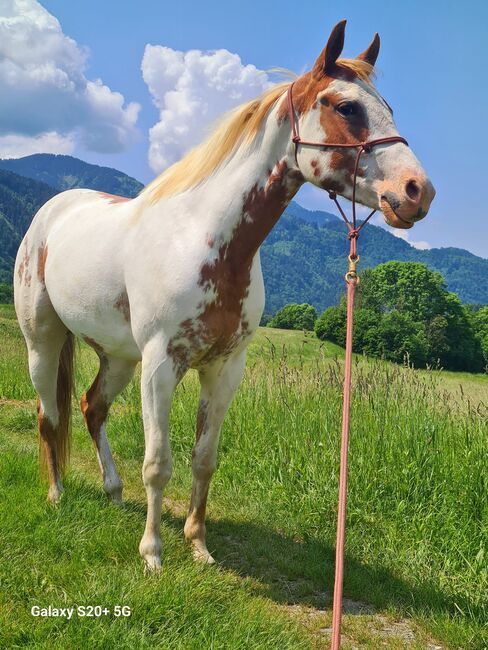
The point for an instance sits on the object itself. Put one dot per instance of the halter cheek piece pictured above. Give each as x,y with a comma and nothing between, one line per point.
362,147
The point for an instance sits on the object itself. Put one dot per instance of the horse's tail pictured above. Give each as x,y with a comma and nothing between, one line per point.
65,390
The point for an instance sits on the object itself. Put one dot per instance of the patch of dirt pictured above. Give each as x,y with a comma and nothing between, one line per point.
380,630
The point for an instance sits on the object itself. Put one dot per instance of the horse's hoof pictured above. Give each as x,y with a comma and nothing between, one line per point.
115,497
201,554
203,558
54,495
152,565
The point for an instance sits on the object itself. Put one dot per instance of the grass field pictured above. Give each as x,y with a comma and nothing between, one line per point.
417,539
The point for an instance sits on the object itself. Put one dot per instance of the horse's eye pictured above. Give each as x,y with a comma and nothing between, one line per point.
347,109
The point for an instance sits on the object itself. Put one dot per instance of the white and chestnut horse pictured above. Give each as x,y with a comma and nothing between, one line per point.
173,279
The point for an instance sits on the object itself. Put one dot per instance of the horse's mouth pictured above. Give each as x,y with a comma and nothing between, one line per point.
392,218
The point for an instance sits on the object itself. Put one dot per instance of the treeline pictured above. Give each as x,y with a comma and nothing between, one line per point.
403,312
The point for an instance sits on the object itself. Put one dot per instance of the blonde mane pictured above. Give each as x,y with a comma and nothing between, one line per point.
237,128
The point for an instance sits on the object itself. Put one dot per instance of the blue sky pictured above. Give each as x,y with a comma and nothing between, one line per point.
432,65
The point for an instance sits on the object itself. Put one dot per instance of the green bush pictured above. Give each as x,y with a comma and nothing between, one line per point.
294,317
404,311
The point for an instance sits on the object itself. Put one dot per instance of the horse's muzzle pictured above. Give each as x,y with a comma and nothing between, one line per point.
407,202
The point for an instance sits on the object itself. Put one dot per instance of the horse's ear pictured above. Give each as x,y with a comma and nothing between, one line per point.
326,63
370,54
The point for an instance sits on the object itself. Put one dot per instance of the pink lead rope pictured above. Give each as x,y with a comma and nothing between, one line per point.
352,280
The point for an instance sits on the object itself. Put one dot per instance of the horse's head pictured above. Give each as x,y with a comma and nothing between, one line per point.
336,102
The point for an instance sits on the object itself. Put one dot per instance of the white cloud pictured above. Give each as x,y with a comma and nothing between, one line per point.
43,88
16,146
378,220
405,235
191,89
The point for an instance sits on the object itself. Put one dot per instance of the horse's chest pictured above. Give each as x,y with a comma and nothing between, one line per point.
226,315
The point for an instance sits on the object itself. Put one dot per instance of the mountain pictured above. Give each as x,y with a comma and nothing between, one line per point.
303,258
20,198
310,216
66,172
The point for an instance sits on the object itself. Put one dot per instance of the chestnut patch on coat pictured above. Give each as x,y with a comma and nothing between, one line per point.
41,263
219,326
350,130
195,523
48,441
336,128
316,168
23,270
114,198
122,305
93,344
331,185
345,161
197,512
201,419
95,409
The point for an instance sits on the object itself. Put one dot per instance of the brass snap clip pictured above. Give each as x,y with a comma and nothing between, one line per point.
351,275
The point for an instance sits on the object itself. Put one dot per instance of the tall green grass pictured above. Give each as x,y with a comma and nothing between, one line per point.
417,528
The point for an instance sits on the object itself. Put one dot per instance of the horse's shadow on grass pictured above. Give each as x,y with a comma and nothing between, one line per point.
294,571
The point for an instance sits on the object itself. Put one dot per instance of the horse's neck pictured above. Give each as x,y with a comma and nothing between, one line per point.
250,192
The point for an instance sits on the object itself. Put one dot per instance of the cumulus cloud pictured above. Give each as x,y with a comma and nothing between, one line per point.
191,89
44,91
405,235
15,146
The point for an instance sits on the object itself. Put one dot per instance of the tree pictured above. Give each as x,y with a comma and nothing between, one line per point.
294,317
331,325
404,310
480,324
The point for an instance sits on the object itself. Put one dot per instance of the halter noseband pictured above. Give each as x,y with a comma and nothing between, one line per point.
362,147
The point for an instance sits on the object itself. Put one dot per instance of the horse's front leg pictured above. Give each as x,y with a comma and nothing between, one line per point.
158,381
219,383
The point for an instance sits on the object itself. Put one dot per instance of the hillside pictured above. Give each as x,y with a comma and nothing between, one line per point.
20,198
66,172
304,260
303,257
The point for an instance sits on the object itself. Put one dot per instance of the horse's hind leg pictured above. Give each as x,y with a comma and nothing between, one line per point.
218,386
50,367
113,376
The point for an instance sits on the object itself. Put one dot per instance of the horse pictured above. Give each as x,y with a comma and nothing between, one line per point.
172,278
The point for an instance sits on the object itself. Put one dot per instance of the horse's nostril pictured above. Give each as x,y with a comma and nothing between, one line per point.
413,190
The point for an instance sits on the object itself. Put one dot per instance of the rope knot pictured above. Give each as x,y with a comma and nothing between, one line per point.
353,233
332,195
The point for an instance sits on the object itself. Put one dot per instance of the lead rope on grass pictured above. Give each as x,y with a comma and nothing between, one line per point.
352,280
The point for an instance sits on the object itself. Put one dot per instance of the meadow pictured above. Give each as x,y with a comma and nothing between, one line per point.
417,528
